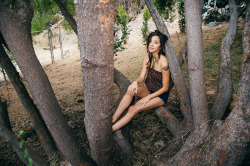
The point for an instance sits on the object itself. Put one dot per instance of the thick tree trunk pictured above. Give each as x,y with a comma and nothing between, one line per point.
15,28
4,117
246,37
175,69
225,83
196,67
125,149
40,127
67,15
13,141
95,33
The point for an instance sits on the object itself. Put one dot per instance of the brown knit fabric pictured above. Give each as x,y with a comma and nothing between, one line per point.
154,80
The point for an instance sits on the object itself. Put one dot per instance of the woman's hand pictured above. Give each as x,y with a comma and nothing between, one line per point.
143,101
133,88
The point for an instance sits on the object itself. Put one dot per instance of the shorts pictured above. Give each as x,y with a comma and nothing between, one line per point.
163,96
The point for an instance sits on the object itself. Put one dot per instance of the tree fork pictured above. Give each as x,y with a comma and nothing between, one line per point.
225,83
40,127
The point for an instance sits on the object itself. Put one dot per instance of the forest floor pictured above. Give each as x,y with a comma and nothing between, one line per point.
148,134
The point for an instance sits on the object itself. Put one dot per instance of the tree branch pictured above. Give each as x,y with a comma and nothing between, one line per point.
225,84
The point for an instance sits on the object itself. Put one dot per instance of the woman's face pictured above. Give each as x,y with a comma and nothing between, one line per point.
154,45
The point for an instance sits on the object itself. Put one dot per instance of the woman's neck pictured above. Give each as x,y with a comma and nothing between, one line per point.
155,56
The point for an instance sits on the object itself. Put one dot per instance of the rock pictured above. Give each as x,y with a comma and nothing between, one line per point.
213,24
159,143
210,92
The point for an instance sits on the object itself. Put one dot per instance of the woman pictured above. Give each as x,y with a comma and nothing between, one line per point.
156,71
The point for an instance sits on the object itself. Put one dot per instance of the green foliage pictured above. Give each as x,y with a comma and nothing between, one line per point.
123,21
44,12
65,24
26,154
165,8
215,16
117,42
146,17
181,11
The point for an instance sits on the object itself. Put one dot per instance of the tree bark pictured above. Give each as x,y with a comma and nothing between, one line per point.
67,15
40,127
246,37
230,144
4,117
196,67
175,69
95,33
225,83
13,141
15,28
125,149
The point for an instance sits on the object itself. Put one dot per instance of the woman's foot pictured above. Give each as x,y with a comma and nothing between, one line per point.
114,119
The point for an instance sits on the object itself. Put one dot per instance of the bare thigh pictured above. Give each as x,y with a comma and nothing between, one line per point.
142,91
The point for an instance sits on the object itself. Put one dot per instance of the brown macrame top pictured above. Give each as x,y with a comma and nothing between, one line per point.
153,80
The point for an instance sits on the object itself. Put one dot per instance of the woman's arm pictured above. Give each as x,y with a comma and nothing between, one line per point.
142,76
134,86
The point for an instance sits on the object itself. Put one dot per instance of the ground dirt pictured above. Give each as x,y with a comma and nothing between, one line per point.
148,134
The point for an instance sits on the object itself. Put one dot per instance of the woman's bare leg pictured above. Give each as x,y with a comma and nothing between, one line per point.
133,110
126,101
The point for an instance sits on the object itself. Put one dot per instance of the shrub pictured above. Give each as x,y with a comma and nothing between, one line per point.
146,17
181,11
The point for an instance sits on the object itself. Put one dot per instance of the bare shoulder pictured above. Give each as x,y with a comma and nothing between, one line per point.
164,63
145,60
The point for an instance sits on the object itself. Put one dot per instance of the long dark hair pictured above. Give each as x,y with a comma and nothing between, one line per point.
163,39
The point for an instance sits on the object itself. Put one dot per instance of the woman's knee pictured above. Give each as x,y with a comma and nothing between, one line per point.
132,110
131,94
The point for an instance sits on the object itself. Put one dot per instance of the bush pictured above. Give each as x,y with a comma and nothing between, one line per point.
181,11
146,17
40,20
123,21
66,26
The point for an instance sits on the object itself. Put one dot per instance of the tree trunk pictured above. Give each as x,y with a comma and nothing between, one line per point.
15,28
67,15
175,69
13,141
196,67
225,83
230,144
4,117
95,33
246,37
40,127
